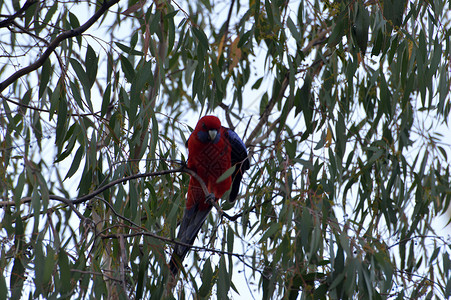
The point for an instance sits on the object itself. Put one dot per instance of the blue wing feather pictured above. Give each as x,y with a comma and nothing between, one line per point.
240,159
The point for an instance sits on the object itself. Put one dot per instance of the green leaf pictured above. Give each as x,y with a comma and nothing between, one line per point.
83,77
3,288
154,23
39,265
49,15
64,270
19,190
443,152
291,147
272,230
75,24
171,15
54,101
127,68
36,204
320,292
244,38
171,29
30,13
341,135
129,50
303,101
394,11
91,63
75,163
106,100
263,103
385,96
61,124
226,174
257,83
26,98
217,76
230,239
44,77
201,37
7,112
142,274
75,88
294,30
17,279
207,280
269,12
223,280
49,266
340,28
269,280
322,140
141,80
361,27
434,255
73,20
43,190
71,138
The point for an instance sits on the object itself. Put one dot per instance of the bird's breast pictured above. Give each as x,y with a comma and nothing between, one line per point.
211,161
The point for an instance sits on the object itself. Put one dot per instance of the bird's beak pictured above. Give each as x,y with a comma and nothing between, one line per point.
212,133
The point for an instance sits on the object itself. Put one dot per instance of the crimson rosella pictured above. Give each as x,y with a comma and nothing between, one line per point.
213,149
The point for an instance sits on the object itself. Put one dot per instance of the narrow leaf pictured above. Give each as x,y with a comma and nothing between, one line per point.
226,174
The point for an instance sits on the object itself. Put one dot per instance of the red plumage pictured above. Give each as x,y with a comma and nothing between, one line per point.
213,149
209,160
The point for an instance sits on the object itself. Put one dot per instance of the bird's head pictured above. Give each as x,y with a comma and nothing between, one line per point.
208,129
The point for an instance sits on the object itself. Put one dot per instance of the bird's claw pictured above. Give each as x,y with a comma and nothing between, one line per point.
210,199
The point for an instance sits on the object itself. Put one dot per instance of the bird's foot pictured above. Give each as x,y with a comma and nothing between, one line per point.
210,199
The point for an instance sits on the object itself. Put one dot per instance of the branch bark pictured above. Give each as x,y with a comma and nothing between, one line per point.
10,19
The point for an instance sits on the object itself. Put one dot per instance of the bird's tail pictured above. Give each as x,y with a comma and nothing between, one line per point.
192,221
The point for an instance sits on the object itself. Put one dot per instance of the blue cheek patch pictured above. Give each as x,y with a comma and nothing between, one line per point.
204,137
218,136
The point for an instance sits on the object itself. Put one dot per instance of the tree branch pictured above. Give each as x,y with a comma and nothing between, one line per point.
87,197
55,43
101,189
20,12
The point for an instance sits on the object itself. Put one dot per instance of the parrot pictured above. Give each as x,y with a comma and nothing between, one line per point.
212,150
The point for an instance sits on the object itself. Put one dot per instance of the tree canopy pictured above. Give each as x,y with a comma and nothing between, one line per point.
343,105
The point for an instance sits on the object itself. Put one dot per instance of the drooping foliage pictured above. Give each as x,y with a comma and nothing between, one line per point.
344,106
